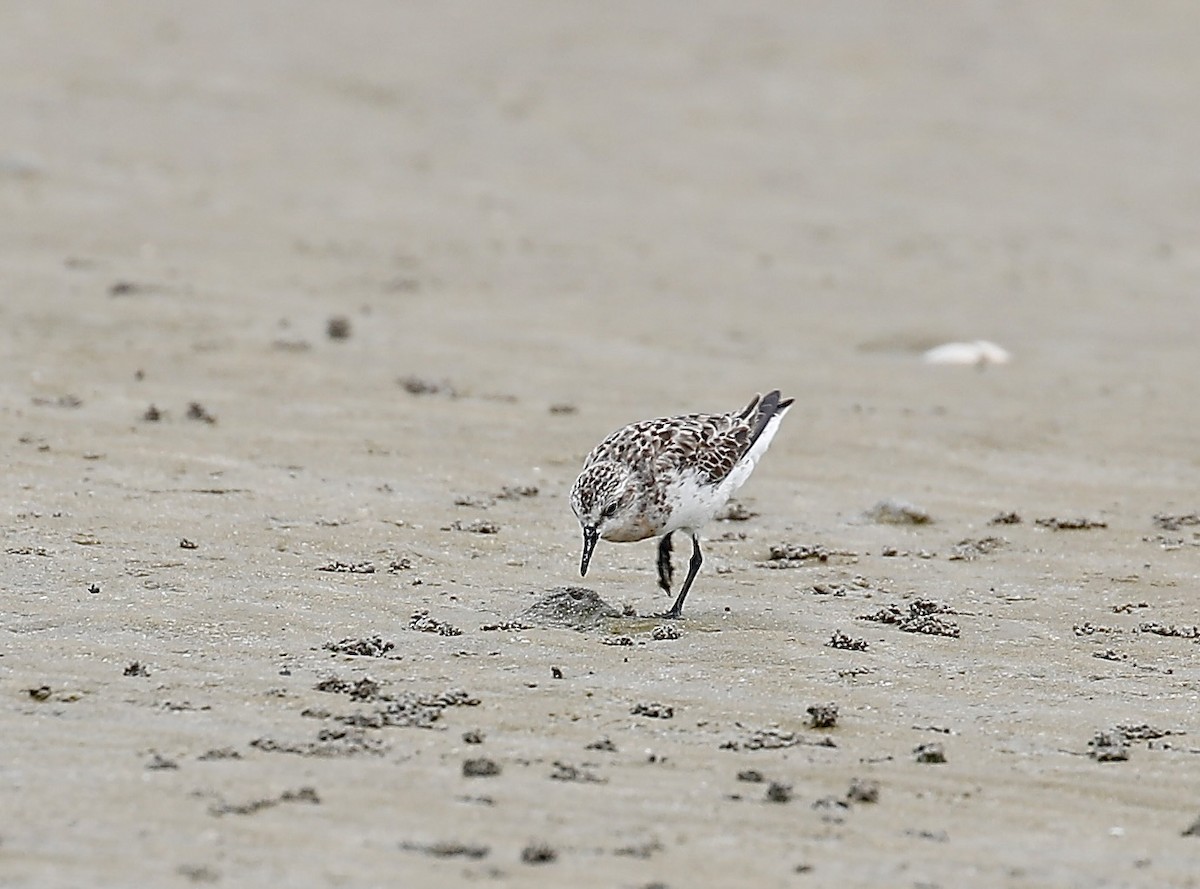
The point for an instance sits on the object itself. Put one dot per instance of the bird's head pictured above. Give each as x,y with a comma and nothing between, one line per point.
605,502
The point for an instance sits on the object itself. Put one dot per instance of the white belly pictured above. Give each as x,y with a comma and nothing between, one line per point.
692,503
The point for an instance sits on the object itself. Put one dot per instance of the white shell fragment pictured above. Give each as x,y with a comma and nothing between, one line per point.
978,353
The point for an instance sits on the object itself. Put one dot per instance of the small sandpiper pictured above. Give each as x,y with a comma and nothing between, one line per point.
671,474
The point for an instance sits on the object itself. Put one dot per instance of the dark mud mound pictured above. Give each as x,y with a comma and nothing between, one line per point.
573,607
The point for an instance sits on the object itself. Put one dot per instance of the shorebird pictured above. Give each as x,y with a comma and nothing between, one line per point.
671,474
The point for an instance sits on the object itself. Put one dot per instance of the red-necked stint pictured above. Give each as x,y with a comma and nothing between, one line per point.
671,474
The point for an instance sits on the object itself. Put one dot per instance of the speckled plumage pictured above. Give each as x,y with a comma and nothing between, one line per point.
674,473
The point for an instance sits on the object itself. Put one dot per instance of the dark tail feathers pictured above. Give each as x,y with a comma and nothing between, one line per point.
763,409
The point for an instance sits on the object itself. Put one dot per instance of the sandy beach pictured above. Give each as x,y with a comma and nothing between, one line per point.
309,314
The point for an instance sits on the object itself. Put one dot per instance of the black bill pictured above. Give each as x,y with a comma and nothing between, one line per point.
590,536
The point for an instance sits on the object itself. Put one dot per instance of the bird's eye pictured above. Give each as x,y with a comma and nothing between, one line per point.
610,511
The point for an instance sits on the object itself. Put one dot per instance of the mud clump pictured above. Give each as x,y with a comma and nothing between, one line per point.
365,689
1005,518
861,791
923,616
538,853
197,411
653,711
792,555
480,767
823,716
930,754
423,623
570,607
421,711
564,771
338,328
897,512
970,549
1144,732
508,626
931,625
409,710
1128,607
1109,747
330,743
1074,524
846,643
158,763
372,646
1192,632
1175,522
338,567
778,792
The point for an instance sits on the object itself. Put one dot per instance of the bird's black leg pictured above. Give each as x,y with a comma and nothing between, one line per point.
664,562
693,568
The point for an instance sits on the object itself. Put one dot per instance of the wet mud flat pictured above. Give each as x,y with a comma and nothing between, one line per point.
306,328
576,737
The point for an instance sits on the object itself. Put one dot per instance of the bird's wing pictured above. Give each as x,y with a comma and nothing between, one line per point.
709,444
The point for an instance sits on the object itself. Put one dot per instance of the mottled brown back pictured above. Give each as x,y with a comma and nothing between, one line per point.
711,444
